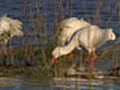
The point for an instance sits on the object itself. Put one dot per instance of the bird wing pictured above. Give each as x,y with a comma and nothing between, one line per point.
11,25
68,27
16,27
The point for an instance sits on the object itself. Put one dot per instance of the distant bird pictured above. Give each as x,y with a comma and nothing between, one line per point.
66,29
9,28
90,37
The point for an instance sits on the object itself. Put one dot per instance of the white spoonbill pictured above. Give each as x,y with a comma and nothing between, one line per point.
9,28
90,37
66,29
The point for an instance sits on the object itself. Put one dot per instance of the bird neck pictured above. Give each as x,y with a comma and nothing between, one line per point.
71,46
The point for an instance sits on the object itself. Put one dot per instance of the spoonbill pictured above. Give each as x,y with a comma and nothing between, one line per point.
66,29
90,37
9,28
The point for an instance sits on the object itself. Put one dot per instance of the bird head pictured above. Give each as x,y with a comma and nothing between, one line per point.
112,34
56,53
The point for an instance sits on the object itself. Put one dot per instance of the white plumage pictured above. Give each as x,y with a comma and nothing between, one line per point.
68,27
93,37
90,37
10,25
9,28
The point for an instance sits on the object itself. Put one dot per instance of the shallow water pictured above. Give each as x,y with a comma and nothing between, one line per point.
24,10
79,84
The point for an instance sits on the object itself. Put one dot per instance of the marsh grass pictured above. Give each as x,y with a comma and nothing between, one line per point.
30,60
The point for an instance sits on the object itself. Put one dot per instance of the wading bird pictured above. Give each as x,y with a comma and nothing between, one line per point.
9,28
66,29
90,38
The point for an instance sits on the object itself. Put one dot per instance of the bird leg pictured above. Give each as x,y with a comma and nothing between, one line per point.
92,62
71,57
94,57
87,59
4,50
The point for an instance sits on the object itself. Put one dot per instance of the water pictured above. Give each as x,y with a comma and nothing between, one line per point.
44,88
25,10
69,84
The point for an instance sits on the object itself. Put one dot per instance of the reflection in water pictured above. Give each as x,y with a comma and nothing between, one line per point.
56,84
87,84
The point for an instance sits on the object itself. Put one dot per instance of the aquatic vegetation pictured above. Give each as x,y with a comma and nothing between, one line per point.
31,59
